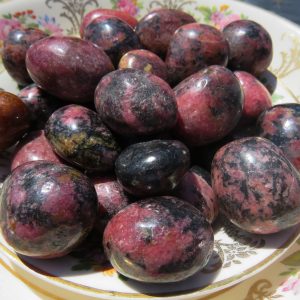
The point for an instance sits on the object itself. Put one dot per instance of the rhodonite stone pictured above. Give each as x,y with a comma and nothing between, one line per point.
92,15
281,125
33,146
160,239
113,35
256,186
269,80
146,61
153,167
78,135
46,209
14,52
67,67
195,188
210,105
40,105
194,47
250,45
156,28
132,102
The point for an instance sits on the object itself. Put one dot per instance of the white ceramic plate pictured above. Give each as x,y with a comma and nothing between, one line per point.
237,255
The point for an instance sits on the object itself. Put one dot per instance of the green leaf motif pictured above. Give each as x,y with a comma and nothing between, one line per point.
292,260
276,98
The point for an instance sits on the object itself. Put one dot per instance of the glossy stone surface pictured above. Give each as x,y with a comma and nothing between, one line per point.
14,52
46,209
256,186
194,47
195,188
112,35
210,105
122,15
269,80
160,239
256,97
40,105
133,102
146,61
250,46
67,67
152,168
156,28
281,125
14,119
78,135
34,146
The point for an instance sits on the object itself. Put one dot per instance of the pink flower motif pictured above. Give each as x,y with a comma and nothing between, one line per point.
6,25
217,17
292,284
228,19
128,6
48,24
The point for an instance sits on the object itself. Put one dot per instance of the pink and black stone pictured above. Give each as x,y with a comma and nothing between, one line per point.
133,102
113,35
78,135
160,239
250,45
39,103
256,186
152,168
46,209
195,188
14,51
281,125
194,47
155,30
210,104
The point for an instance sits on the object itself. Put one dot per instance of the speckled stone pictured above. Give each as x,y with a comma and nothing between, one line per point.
92,15
256,97
40,105
269,80
156,28
257,187
194,47
113,35
78,135
144,60
132,102
210,105
195,188
46,209
250,46
152,168
33,146
14,52
281,125
67,67
160,239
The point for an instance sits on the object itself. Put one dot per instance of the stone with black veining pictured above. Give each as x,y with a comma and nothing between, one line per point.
210,104
281,125
269,80
144,60
40,105
133,102
78,135
195,188
250,45
152,168
155,30
194,47
14,50
113,35
67,67
161,239
256,186
46,209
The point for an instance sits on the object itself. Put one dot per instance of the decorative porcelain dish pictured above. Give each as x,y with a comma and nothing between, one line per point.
237,255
